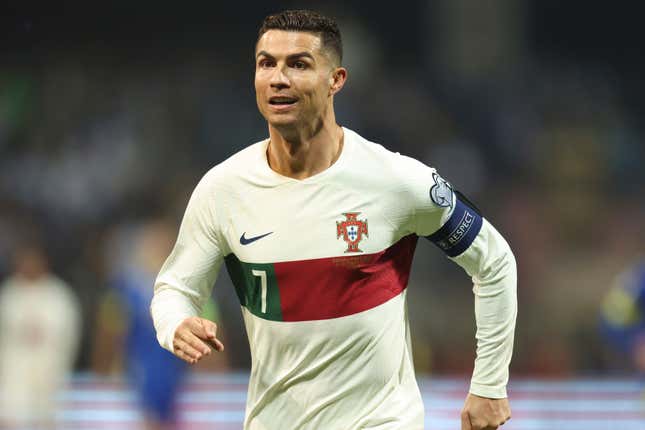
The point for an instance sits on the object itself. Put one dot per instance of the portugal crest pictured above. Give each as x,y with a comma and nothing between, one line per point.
352,231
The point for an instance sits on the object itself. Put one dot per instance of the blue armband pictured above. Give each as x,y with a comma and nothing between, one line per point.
461,229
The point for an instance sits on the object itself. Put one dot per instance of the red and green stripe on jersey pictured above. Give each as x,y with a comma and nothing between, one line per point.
322,288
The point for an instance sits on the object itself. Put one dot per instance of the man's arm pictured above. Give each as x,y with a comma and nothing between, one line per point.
456,226
491,264
186,280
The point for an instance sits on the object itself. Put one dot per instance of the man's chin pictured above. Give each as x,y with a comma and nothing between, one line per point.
282,121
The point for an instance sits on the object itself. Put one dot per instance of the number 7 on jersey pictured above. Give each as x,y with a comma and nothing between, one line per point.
263,285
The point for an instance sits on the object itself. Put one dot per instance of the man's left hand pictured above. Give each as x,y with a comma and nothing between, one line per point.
481,413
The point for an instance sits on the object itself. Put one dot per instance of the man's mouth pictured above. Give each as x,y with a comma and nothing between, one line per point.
282,100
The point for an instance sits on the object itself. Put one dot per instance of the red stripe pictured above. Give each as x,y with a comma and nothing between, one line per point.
335,287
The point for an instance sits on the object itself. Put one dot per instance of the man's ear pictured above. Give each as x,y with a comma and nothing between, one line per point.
337,80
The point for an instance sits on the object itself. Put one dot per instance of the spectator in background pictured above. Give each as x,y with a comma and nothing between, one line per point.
125,334
623,317
40,328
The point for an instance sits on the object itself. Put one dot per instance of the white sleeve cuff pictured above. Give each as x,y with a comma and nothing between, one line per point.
169,308
488,391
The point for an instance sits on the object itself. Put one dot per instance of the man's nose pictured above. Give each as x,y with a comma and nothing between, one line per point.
279,79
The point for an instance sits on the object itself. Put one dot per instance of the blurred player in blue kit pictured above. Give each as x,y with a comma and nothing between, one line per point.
124,319
623,316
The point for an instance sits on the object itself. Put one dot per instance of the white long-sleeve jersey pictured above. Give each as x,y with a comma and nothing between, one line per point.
320,266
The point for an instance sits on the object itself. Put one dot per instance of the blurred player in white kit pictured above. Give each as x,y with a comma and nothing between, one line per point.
39,335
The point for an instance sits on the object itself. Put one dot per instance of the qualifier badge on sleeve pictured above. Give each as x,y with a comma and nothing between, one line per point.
441,192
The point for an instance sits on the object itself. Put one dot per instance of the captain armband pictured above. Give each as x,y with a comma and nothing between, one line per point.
461,229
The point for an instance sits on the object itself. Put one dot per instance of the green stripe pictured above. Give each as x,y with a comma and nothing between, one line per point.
248,278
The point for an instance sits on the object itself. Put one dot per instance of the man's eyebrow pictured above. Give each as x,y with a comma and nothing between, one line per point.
301,54
289,57
264,53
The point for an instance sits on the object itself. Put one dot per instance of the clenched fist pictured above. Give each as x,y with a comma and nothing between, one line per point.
194,339
481,413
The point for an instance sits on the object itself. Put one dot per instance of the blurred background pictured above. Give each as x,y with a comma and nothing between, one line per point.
110,113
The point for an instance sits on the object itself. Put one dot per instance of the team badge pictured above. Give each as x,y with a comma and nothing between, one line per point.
352,231
441,192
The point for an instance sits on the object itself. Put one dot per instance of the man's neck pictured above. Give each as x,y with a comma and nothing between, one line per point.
304,153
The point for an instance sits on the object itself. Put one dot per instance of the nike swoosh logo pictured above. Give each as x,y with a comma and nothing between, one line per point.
247,240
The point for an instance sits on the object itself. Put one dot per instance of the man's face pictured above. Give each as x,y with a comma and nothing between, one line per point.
293,78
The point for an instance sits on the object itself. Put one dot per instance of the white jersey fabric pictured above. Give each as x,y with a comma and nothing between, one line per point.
320,266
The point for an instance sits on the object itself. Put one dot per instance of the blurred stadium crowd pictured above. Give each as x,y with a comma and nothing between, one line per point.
108,120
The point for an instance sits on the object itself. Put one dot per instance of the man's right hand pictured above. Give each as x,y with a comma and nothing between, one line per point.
194,339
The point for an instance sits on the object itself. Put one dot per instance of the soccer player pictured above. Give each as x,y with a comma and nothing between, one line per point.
317,227
123,319
40,328
623,316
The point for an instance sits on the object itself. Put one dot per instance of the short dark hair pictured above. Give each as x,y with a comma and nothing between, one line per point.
308,21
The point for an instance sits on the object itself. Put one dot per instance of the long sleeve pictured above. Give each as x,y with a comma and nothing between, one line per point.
452,223
491,264
186,279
